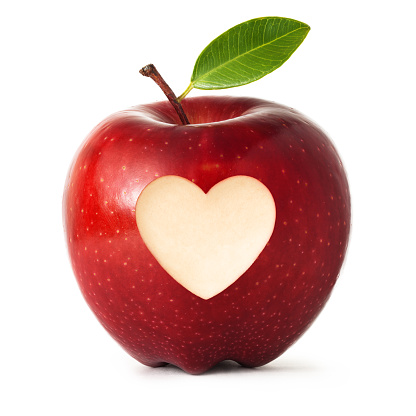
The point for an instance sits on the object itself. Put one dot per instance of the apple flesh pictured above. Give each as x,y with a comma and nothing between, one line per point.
205,241
251,317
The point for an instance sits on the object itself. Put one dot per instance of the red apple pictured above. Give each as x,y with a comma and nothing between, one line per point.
221,239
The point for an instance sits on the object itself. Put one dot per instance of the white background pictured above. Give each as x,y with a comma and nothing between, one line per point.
67,65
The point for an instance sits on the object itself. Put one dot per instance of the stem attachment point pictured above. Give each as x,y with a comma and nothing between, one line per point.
186,92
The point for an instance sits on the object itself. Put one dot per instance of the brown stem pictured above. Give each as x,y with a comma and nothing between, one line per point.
151,72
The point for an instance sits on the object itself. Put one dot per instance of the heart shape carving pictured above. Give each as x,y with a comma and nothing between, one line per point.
205,241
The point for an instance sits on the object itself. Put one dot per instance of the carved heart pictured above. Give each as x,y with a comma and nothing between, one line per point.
205,241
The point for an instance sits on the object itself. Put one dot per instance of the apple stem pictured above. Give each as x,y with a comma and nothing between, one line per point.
151,72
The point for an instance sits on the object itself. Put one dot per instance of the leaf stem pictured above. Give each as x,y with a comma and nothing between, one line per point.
186,92
151,72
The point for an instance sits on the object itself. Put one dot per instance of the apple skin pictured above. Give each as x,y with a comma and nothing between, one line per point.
253,321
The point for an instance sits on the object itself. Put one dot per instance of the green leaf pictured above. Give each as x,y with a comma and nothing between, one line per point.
247,52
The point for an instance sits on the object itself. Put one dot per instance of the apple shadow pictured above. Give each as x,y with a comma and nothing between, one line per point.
282,366
229,367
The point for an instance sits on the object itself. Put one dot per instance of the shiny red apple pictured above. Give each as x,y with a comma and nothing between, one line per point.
220,239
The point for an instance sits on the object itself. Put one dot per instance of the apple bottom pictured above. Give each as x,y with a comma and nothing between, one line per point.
252,343
201,358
